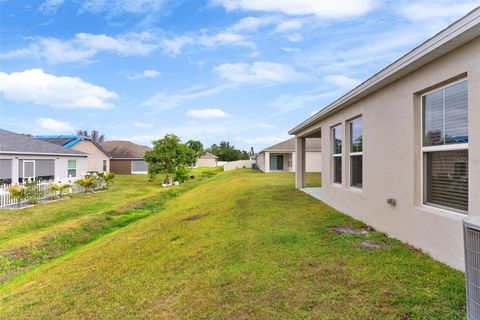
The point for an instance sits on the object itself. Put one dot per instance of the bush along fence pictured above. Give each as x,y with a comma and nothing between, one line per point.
32,192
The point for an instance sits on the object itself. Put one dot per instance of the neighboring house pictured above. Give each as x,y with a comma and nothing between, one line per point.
126,157
97,160
23,157
401,151
281,156
207,160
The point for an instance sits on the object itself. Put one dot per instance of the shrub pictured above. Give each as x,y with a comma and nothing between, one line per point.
88,183
106,177
182,174
60,188
56,187
18,193
32,192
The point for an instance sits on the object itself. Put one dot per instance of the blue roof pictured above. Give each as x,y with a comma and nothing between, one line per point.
66,141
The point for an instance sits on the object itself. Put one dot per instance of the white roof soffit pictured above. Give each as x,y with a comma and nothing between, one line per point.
450,38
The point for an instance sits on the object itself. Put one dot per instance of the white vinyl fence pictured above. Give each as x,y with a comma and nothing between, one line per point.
238,164
6,199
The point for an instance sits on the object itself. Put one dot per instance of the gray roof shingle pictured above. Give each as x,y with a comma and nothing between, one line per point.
311,144
124,149
11,142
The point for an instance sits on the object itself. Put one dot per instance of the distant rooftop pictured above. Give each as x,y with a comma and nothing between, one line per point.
68,141
311,144
125,149
11,142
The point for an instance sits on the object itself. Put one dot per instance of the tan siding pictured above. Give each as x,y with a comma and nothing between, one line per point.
95,155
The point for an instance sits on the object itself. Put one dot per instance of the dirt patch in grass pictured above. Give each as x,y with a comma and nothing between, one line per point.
351,231
370,245
196,217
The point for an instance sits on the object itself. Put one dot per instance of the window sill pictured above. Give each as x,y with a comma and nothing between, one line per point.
356,190
442,212
338,186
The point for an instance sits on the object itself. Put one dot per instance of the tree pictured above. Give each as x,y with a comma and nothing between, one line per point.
227,152
168,154
94,135
195,152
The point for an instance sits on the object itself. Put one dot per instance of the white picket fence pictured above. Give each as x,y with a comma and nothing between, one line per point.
6,199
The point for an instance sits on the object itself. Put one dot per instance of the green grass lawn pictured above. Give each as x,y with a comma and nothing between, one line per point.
241,245
35,235
313,179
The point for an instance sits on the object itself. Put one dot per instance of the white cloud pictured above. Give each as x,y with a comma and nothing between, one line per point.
53,125
287,102
162,101
142,124
266,125
225,38
50,6
289,25
174,46
116,7
342,81
258,72
253,23
140,75
295,37
207,113
85,46
325,9
415,10
35,86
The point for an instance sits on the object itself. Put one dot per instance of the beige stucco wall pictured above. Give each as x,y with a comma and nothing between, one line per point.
313,161
210,163
95,155
261,161
392,159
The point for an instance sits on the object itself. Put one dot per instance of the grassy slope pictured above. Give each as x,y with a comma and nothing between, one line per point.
243,245
32,236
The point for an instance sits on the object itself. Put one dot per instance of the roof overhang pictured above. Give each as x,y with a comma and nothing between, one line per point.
44,154
447,40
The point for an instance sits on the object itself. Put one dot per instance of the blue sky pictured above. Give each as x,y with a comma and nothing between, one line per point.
245,71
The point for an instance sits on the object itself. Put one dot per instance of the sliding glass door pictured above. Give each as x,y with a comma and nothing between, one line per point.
276,162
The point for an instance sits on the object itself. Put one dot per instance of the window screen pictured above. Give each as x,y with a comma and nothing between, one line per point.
447,179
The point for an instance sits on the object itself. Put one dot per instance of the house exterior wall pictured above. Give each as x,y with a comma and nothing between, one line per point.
392,158
261,161
95,155
139,167
313,161
121,166
206,162
61,165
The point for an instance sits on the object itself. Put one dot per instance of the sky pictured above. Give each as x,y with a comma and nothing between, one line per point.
244,71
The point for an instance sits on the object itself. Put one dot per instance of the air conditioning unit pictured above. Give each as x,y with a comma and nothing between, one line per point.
471,235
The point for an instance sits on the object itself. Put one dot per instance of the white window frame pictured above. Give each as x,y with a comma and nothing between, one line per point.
68,169
337,155
352,154
439,148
